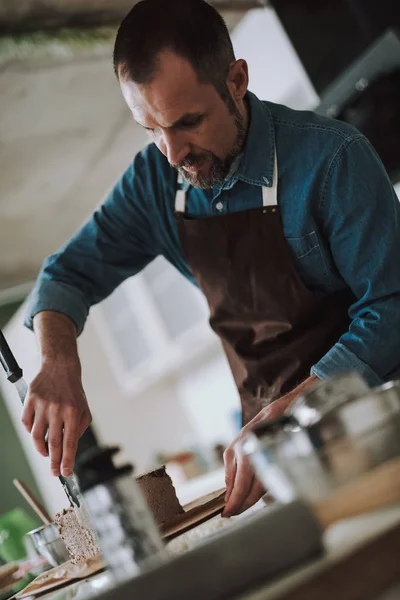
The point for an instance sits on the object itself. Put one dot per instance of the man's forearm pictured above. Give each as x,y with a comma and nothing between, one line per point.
303,387
56,336
279,406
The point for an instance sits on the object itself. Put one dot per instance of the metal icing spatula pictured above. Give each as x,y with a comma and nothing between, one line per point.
14,375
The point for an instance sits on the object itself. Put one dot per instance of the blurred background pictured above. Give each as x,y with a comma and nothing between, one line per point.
163,390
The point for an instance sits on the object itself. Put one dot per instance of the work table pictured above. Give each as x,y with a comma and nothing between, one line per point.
361,562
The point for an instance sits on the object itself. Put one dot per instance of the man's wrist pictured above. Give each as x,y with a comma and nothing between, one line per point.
301,388
306,384
56,335
283,403
60,360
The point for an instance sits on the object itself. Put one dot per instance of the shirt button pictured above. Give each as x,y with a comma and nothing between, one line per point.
219,206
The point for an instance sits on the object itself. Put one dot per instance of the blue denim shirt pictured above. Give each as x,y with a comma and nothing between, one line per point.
340,216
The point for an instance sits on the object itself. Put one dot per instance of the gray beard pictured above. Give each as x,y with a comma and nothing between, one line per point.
219,169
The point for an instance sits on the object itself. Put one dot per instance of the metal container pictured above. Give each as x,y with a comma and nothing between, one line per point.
261,446
47,542
326,395
129,537
342,440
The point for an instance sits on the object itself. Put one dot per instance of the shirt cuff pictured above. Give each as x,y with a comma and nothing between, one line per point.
340,359
59,297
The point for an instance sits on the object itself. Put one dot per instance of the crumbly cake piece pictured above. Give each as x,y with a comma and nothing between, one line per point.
80,540
159,492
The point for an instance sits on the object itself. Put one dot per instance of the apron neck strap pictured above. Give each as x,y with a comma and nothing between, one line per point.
269,194
180,198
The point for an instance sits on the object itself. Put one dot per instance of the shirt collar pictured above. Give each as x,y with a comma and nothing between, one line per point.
256,164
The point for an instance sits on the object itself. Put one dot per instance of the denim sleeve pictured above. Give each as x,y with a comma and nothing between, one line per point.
115,243
361,214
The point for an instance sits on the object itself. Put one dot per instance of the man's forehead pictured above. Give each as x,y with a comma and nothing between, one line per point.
174,90
166,104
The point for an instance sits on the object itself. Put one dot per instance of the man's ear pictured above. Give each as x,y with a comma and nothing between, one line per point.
237,80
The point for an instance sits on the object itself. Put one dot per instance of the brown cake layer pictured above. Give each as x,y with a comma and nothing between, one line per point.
80,540
160,495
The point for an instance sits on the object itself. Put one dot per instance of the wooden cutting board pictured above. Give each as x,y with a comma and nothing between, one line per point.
62,575
196,512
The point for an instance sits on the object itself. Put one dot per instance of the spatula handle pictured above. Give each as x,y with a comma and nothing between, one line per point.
8,361
378,488
33,501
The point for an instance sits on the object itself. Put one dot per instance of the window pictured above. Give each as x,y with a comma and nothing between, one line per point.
153,324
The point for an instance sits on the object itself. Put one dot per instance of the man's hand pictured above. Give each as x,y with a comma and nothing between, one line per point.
242,488
56,405
56,411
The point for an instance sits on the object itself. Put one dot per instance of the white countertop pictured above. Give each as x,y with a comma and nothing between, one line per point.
200,486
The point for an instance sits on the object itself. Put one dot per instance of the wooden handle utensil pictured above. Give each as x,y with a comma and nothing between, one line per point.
33,501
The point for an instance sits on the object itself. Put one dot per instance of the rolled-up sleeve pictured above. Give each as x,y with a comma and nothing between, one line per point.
114,244
361,216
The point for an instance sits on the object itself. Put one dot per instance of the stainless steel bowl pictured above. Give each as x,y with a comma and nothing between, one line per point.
261,446
340,443
47,542
326,395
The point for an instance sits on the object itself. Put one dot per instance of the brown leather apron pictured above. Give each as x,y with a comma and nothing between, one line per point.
273,329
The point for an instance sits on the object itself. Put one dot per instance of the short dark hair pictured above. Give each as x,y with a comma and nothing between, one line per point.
191,28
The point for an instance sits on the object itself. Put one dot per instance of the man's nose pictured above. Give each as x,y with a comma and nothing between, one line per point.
174,146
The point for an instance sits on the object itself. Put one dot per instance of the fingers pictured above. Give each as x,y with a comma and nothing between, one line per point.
63,439
28,415
242,486
86,420
256,492
56,407
230,471
55,443
70,442
39,432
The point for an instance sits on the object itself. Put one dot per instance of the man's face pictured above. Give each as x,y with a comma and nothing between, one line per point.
198,132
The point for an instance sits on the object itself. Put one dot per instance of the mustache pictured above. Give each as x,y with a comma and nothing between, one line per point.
191,160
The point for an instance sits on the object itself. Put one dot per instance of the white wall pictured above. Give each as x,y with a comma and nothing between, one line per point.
275,71
143,424
210,398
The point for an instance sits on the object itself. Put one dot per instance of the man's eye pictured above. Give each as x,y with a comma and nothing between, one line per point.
191,124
